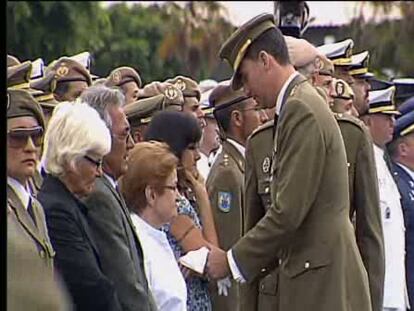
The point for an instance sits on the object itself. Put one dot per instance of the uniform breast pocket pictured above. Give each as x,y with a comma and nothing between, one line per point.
264,192
309,260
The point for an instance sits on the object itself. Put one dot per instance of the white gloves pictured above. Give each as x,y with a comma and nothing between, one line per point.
223,286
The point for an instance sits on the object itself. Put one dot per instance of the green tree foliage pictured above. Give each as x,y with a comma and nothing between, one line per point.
159,41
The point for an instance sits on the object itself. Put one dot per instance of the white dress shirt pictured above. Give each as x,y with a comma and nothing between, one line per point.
395,289
232,263
164,277
203,165
111,180
22,192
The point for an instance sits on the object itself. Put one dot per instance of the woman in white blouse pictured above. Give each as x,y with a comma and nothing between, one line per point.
150,191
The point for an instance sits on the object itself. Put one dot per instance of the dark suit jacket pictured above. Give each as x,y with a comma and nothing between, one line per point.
308,224
406,186
77,258
121,252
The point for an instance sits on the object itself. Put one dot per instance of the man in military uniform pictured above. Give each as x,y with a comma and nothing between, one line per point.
192,95
237,116
210,141
46,85
72,78
128,80
359,72
308,224
343,97
165,96
380,121
18,77
25,127
401,150
404,89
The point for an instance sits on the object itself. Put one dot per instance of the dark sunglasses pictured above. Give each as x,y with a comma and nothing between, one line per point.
18,137
98,163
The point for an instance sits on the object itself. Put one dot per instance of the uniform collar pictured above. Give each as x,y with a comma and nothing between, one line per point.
409,172
240,148
21,191
282,92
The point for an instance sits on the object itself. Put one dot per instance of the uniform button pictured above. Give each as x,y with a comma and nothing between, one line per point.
307,265
263,270
280,261
262,286
348,164
267,189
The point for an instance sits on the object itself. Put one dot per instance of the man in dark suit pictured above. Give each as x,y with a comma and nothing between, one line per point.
108,216
308,225
401,150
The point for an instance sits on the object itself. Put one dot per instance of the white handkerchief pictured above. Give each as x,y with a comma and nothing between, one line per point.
195,260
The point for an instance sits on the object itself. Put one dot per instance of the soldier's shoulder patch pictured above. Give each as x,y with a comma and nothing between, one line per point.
224,201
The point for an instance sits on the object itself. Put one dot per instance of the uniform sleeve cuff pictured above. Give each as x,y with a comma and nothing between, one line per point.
234,269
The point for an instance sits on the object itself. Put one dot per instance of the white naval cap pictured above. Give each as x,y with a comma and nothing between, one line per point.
38,69
382,101
340,52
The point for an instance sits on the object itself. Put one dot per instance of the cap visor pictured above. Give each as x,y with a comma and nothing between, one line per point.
236,83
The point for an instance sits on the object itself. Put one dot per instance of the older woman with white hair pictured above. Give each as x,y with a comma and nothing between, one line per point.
75,142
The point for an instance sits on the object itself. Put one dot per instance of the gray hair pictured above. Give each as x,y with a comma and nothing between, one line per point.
101,98
74,130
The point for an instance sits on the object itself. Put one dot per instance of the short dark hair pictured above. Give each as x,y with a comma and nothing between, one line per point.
175,128
392,146
223,116
271,41
61,89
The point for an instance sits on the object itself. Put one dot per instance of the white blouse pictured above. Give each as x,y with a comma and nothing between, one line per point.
164,277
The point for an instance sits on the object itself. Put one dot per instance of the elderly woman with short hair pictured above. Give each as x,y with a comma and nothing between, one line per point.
75,142
150,191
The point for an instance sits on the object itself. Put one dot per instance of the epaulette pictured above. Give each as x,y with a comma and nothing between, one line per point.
348,118
261,128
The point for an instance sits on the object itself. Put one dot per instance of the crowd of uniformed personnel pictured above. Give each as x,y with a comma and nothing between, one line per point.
297,175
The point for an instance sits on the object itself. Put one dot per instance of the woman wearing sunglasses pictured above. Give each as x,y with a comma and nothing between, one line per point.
193,227
150,191
25,126
75,142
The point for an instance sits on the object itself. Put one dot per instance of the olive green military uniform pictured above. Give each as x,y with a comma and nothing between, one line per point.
364,202
22,104
261,293
225,185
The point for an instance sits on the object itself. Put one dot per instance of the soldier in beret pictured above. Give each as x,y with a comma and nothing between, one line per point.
192,95
237,116
128,80
46,85
72,78
380,121
25,127
18,77
401,149
308,223
343,97
140,113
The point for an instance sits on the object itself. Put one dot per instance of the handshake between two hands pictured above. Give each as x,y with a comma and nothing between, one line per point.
214,262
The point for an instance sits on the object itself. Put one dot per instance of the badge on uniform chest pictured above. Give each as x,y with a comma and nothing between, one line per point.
224,201
266,165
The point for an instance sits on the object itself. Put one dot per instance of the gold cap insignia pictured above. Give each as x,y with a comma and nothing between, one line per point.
180,84
116,77
171,92
62,70
340,89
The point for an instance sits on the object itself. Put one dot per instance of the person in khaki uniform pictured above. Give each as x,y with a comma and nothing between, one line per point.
237,116
72,78
164,96
308,225
261,293
343,97
25,126
128,80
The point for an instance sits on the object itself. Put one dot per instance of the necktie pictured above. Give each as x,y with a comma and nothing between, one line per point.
31,212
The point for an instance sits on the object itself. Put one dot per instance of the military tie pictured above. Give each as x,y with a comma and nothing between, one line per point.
31,212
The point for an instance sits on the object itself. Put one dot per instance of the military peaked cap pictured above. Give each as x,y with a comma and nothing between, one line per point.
121,75
21,104
382,101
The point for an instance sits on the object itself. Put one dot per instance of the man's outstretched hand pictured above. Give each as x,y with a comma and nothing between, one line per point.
217,264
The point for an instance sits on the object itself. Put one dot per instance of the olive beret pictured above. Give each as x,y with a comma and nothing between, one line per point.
21,104
122,75
69,70
186,85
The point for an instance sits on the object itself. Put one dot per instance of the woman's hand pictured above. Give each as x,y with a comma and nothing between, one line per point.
195,178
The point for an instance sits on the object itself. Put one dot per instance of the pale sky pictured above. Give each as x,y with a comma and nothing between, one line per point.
325,12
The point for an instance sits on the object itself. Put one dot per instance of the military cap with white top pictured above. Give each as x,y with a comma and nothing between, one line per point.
382,101
339,53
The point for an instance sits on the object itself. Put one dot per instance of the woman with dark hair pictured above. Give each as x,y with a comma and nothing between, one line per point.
193,228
